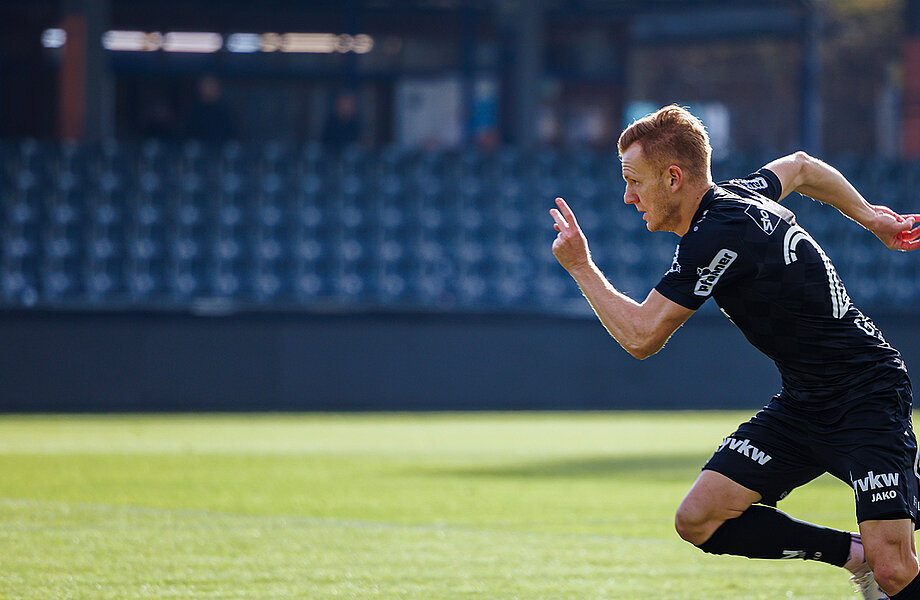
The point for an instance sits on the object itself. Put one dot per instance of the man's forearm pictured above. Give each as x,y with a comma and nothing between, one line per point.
826,184
816,179
620,314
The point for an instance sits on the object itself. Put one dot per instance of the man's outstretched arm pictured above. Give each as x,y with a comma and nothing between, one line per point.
641,329
816,179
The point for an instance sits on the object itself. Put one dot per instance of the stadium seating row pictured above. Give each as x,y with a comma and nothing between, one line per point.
153,226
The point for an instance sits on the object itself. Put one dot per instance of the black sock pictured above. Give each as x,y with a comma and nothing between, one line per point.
910,592
764,532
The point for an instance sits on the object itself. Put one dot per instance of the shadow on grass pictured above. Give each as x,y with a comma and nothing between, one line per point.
654,467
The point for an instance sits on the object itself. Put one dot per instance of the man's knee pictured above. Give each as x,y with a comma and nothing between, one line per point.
894,574
712,500
890,553
693,524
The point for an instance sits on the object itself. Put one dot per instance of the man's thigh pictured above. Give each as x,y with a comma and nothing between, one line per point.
715,496
873,449
769,454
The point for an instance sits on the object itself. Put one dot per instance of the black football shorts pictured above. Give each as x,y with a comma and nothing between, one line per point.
868,444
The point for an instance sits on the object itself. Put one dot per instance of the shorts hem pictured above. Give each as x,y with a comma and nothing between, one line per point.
893,516
764,498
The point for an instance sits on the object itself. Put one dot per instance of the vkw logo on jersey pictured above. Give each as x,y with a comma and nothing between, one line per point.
872,482
765,219
744,447
710,275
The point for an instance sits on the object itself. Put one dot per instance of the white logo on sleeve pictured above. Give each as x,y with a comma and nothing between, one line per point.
710,275
755,184
675,265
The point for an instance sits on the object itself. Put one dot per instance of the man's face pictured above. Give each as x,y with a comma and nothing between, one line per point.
648,188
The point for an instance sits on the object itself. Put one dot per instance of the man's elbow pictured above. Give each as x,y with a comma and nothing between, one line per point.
801,157
642,350
805,164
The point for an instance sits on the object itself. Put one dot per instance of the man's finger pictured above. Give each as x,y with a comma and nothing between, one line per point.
914,220
907,246
566,212
909,235
558,218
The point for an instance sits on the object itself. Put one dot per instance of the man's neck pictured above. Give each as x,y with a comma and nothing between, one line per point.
690,206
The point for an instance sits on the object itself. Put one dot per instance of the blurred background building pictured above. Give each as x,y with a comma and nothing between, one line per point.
381,161
772,76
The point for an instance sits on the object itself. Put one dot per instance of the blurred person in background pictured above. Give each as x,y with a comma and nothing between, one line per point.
343,125
210,119
845,402
160,122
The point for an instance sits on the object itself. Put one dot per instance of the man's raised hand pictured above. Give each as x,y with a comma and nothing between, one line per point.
570,246
898,232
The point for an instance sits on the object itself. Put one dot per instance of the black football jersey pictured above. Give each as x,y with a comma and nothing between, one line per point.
773,280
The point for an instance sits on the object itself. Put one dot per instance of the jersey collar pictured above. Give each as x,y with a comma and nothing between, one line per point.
708,198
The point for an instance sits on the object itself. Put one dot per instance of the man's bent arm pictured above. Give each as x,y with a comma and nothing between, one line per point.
816,179
641,329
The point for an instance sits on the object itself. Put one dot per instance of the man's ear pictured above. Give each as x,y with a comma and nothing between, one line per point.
675,177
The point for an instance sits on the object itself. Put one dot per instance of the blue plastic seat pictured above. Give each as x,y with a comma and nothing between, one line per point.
144,248
229,215
390,251
18,247
106,214
225,283
184,283
60,247
18,287
471,289
266,285
57,282
310,215
102,248
391,286
142,284
348,286
307,285
270,215
185,249
100,284
308,249
269,249
227,249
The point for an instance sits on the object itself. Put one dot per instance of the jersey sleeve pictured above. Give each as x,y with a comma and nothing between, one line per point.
704,261
763,182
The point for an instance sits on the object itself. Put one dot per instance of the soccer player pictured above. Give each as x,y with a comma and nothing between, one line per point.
845,402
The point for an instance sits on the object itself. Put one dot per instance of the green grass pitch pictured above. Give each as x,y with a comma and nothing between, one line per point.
422,506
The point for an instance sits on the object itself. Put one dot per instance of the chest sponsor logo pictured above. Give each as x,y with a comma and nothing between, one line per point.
710,275
744,447
764,219
881,481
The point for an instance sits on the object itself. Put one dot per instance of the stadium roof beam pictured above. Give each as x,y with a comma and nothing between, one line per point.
700,24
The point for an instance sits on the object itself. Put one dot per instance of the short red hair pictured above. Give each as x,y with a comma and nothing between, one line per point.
671,136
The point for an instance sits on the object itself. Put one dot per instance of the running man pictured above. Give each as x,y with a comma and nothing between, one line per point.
845,402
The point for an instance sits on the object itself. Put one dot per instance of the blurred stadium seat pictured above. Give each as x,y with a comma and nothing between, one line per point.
154,225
